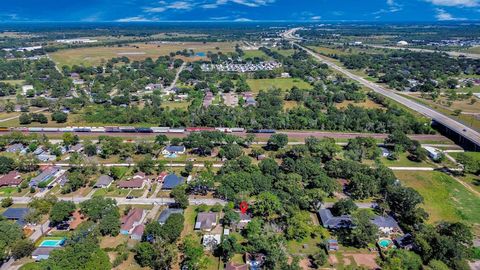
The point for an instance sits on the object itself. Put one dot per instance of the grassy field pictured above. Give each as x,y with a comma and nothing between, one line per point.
475,49
255,53
137,51
13,82
283,83
445,198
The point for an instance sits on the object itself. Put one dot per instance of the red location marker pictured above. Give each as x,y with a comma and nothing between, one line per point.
243,207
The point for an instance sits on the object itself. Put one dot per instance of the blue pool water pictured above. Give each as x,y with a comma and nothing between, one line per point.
384,243
201,54
52,243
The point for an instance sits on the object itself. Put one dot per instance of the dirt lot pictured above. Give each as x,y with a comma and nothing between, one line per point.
367,260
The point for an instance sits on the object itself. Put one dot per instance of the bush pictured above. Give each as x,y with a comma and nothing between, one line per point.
7,202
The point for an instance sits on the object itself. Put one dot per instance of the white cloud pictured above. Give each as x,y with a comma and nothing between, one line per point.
456,3
315,18
180,5
164,6
242,20
136,19
443,15
248,3
155,9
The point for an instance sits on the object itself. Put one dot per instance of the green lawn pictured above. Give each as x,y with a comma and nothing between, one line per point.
445,198
283,83
403,161
255,53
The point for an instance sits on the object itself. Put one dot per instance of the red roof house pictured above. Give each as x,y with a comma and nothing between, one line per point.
13,178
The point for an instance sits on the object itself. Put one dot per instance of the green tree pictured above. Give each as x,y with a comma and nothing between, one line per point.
194,257
344,207
227,248
277,141
180,196
61,211
268,206
110,224
400,259
320,258
7,202
22,248
6,164
59,117
364,232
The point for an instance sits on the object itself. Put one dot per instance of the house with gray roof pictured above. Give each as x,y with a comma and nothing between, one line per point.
386,224
42,253
16,214
104,181
15,148
45,175
206,221
174,149
330,221
165,214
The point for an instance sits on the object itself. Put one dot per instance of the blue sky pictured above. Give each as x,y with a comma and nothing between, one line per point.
239,10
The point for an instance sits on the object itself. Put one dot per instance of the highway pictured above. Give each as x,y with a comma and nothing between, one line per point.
453,125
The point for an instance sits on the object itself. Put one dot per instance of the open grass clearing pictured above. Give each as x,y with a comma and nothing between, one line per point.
445,198
282,83
136,51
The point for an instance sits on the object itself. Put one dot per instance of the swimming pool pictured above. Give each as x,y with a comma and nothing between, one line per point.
52,243
201,54
384,243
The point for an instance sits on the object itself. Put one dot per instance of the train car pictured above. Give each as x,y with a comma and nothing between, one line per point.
238,129
144,130
160,129
46,129
199,129
223,129
176,130
22,129
82,129
98,129
261,131
4,129
128,129
66,129
34,129
112,129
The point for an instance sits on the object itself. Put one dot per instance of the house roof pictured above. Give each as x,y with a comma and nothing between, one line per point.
234,266
43,251
103,180
165,214
132,183
385,221
175,148
205,220
330,221
44,175
17,214
138,230
12,178
171,181
77,147
15,147
133,216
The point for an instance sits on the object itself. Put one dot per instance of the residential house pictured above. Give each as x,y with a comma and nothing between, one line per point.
45,175
12,178
15,148
255,261
174,149
131,220
386,224
331,222
171,181
211,241
162,176
433,153
165,214
206,221
42,253
46,157
153,86
104,181
26,88
234,266
16,214
405,241
385,152
137,232
77,148
137,181
63,179
243,221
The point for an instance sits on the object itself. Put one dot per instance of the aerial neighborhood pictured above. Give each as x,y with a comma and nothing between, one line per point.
133,143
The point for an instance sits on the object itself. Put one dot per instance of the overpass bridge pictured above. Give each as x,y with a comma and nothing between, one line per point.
462,133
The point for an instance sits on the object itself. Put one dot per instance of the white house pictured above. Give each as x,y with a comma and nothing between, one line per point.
402,43
210,241
174,149
433,153
25,88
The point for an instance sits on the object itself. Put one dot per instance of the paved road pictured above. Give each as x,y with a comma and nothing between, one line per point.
458,127
450,53
121,200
